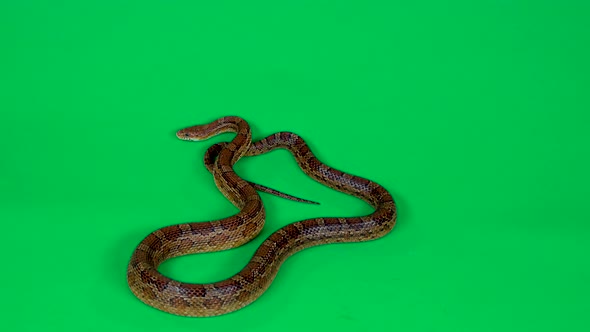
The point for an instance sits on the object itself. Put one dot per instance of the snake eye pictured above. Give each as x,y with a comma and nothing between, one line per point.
186,135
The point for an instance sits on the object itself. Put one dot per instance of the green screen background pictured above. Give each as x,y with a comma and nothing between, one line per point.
473,114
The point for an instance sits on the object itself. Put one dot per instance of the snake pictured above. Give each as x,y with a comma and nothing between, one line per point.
236,292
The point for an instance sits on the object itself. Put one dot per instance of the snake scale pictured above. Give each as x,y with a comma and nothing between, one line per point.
212,299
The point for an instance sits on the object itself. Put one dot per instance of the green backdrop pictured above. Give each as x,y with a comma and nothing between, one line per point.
473,114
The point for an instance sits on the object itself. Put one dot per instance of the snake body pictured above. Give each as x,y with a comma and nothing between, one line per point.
189,299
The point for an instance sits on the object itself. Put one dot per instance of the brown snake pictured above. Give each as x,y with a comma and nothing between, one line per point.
188,299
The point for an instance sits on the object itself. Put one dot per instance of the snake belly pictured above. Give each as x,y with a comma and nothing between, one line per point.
212,299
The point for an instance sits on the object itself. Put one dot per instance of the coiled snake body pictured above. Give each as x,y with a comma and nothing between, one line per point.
187,299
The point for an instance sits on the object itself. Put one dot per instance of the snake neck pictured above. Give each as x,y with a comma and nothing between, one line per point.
234,188
237,148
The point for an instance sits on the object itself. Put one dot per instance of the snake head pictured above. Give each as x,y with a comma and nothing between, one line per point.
205,131
185,135
194,133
